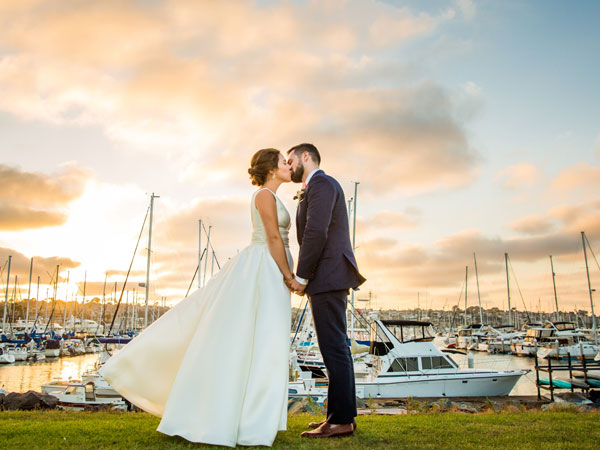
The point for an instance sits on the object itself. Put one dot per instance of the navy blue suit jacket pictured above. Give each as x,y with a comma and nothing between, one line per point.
326,258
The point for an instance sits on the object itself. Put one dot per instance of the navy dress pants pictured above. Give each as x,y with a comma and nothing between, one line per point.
329,316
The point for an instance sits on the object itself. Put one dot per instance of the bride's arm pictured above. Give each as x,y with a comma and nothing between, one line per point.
267,209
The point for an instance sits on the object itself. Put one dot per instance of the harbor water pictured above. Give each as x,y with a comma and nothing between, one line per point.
24,376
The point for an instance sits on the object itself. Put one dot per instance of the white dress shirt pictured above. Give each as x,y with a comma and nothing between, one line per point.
298,279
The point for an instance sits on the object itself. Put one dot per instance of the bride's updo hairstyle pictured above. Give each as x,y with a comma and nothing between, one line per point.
262,163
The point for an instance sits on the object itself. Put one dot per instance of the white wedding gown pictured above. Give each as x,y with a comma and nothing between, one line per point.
215,366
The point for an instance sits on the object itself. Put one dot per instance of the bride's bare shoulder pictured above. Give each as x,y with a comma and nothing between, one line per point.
264,198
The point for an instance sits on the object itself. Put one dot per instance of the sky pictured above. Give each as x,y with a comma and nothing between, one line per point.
471,128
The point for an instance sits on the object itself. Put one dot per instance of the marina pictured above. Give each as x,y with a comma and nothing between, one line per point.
23,376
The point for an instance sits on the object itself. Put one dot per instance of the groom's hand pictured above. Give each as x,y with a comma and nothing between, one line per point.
297,287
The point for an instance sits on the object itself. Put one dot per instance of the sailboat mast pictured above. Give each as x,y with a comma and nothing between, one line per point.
356,183
29,292
554,284
466,278
83,299
37,297
66,302
6,296
587,269
152,197
206,254
478,293
508,288
199,254
101,321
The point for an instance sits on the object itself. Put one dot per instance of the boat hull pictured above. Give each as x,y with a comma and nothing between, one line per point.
480,385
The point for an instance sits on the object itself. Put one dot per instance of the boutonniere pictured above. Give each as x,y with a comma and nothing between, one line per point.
300,195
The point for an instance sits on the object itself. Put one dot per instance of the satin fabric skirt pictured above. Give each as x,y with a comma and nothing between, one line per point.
215,366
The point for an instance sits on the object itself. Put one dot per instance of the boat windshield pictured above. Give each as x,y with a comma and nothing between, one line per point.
409,331
74,390
561,326
404,365
435,362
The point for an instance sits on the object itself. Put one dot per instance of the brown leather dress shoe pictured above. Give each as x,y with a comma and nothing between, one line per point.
314,425
327,430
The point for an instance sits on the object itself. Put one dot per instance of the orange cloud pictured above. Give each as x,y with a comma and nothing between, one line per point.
33,200
396,270
15,218
533,224
44,267
389,220
581,177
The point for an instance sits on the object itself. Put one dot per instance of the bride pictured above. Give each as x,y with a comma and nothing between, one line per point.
215,366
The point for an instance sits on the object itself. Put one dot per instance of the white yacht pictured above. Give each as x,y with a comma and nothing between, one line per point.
529,344
52,348
412,366
502,337
102,388
76,396
20,353
572,346
406,364
468,335
565,341
5,357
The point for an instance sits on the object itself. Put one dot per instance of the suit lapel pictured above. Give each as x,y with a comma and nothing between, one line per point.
301,210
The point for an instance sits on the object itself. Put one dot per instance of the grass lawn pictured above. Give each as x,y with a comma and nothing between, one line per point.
119,430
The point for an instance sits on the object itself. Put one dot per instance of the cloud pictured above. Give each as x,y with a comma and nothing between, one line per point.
35,200
387,29
199,83
39,189
518,176
398,270
44,267
467,8
414,142
389,220
533,224
15,218
583,177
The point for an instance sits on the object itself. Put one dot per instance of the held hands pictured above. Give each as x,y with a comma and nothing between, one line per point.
297,287
293,285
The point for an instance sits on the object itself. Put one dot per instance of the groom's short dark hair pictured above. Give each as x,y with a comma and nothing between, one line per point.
308,148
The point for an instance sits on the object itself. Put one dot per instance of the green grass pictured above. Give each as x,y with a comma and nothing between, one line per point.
118,430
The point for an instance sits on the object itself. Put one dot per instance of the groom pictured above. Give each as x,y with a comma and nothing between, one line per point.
326,271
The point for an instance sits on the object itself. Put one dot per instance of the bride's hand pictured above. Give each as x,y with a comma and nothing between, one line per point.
288,282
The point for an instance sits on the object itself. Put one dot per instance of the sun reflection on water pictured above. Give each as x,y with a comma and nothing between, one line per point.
25,376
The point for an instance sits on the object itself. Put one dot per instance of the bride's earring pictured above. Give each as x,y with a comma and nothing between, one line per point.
273,177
